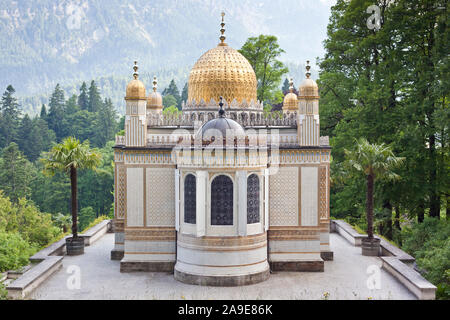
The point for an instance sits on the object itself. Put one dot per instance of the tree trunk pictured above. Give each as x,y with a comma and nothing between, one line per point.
435,203
388,207
397,218
421,213
73,185
448,207
369,205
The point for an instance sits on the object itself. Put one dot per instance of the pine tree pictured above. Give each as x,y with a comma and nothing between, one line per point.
172,90
41,139
285,87
9,117
106,124
83,98
95,100
57,112
72,106
15,173
25,131
43,115
184,93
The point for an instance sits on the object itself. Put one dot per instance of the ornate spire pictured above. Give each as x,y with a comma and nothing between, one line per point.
291,85
222,31
155,84
221,111
135,68
308,70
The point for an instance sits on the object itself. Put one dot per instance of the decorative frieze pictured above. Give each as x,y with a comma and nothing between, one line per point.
208,158
121,192
323,193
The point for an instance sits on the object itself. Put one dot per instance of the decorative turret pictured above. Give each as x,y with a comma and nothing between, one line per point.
308,118
136,109
155,100
290,103
135,89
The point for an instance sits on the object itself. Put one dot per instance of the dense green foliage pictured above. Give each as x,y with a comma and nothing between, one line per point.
391,86
263,53
376,162
21,175
429,242
23,231
69,157
14,251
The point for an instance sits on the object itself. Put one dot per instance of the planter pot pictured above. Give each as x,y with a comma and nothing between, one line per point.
370,247
74,247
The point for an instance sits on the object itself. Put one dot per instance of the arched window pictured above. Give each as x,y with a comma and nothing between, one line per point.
222,201
190,199
253,199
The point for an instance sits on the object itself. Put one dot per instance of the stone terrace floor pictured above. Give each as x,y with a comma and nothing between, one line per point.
344,278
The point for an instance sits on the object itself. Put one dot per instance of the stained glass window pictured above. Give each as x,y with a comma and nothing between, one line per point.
222,201
253,199
190,199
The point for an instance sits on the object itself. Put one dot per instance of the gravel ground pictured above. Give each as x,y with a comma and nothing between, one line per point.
344,278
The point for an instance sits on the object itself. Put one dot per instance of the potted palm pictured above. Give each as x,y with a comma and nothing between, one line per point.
376,162
70,156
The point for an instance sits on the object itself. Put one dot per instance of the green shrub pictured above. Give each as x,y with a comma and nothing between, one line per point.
24,218
429,243
3,292
85,217
95,222
14,251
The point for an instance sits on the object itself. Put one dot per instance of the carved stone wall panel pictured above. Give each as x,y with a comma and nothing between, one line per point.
283,197
160,197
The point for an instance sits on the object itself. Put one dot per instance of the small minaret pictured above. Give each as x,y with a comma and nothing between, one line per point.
308,126
136,109
290,102
155,100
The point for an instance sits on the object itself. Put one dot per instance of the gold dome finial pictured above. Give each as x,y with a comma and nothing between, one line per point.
308,88
135,68
222,31
135,89
155,84
308,70
221,111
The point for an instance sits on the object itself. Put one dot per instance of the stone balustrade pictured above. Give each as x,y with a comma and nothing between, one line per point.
251,140
244,118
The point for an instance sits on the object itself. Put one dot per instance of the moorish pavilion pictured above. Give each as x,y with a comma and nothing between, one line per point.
222,193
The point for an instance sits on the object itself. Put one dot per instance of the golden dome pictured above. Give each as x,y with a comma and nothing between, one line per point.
308,88
155,100
135,89
290,102
222,71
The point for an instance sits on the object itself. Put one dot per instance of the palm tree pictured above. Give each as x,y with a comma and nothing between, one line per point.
70,156
376,161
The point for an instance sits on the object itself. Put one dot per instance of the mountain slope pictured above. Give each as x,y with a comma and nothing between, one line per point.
43,42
